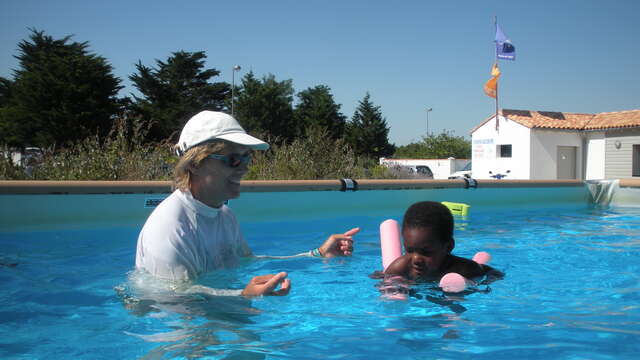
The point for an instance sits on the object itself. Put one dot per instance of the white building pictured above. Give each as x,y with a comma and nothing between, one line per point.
557,145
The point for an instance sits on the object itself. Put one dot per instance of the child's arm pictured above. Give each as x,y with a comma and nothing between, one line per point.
461,273
399,266
491,274
468,268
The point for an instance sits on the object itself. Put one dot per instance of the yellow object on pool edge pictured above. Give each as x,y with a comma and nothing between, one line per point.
457,208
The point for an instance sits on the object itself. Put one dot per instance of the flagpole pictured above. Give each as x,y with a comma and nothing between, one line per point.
495,25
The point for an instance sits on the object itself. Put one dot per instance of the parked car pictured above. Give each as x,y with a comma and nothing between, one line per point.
412,171
30,159
424,171
420,171
465,172
31,156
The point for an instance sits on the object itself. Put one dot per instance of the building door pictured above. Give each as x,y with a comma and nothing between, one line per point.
567,162
635,160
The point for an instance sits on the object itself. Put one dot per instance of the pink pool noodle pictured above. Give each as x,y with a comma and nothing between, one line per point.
454,282
389,242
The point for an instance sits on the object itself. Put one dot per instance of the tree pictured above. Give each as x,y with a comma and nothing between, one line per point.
317,109
265,107
175,90
440,146
367,132
411,151
5,90
60,93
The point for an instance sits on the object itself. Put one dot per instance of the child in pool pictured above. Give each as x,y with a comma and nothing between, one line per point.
427,230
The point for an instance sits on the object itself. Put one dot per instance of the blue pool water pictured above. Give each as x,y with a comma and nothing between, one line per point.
571,291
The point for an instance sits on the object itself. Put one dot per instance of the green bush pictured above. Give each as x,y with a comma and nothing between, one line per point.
122,155
381,172
9,171
313,157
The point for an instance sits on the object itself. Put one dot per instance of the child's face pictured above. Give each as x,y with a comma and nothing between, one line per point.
426,252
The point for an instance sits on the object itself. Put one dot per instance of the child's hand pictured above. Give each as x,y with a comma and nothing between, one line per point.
339,244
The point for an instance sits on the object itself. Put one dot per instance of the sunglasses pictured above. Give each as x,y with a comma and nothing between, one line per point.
233,160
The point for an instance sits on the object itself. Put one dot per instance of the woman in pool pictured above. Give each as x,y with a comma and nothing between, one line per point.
193,231
427,230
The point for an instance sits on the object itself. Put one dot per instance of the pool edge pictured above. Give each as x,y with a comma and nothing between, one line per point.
21,187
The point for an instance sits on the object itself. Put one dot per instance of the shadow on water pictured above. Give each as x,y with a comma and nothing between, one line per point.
191,325
398,288
432,315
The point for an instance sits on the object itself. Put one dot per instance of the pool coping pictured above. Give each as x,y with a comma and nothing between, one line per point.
55,204
21,187
18,187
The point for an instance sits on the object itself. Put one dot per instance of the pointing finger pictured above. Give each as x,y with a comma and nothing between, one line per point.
352,231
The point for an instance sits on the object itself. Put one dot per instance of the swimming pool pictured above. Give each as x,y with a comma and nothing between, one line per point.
572,286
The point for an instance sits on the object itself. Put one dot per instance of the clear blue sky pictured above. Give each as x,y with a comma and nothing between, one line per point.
574,56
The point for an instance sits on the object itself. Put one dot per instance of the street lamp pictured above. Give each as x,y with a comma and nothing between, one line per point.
233,85
428,111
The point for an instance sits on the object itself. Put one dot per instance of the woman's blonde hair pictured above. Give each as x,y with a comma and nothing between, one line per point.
192,160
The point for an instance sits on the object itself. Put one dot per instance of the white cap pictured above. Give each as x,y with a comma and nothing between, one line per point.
211,125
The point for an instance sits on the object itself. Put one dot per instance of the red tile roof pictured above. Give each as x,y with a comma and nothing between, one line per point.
547,119
618,119
573,121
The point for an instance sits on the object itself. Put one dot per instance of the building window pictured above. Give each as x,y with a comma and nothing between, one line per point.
635,170
504,151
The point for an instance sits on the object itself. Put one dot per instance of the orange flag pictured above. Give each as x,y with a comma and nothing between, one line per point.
491,86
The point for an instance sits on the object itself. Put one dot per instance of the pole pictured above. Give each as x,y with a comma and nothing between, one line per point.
497,118
428,111
233,86
495,23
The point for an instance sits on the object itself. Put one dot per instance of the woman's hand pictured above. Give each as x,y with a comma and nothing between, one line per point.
339,244
266,285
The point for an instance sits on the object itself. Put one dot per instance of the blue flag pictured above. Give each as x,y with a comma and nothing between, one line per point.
504,48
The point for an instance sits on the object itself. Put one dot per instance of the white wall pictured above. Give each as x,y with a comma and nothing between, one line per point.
595,156
544,148
484,143
619,152
441,168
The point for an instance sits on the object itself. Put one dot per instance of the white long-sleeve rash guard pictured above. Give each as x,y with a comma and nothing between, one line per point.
183,238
